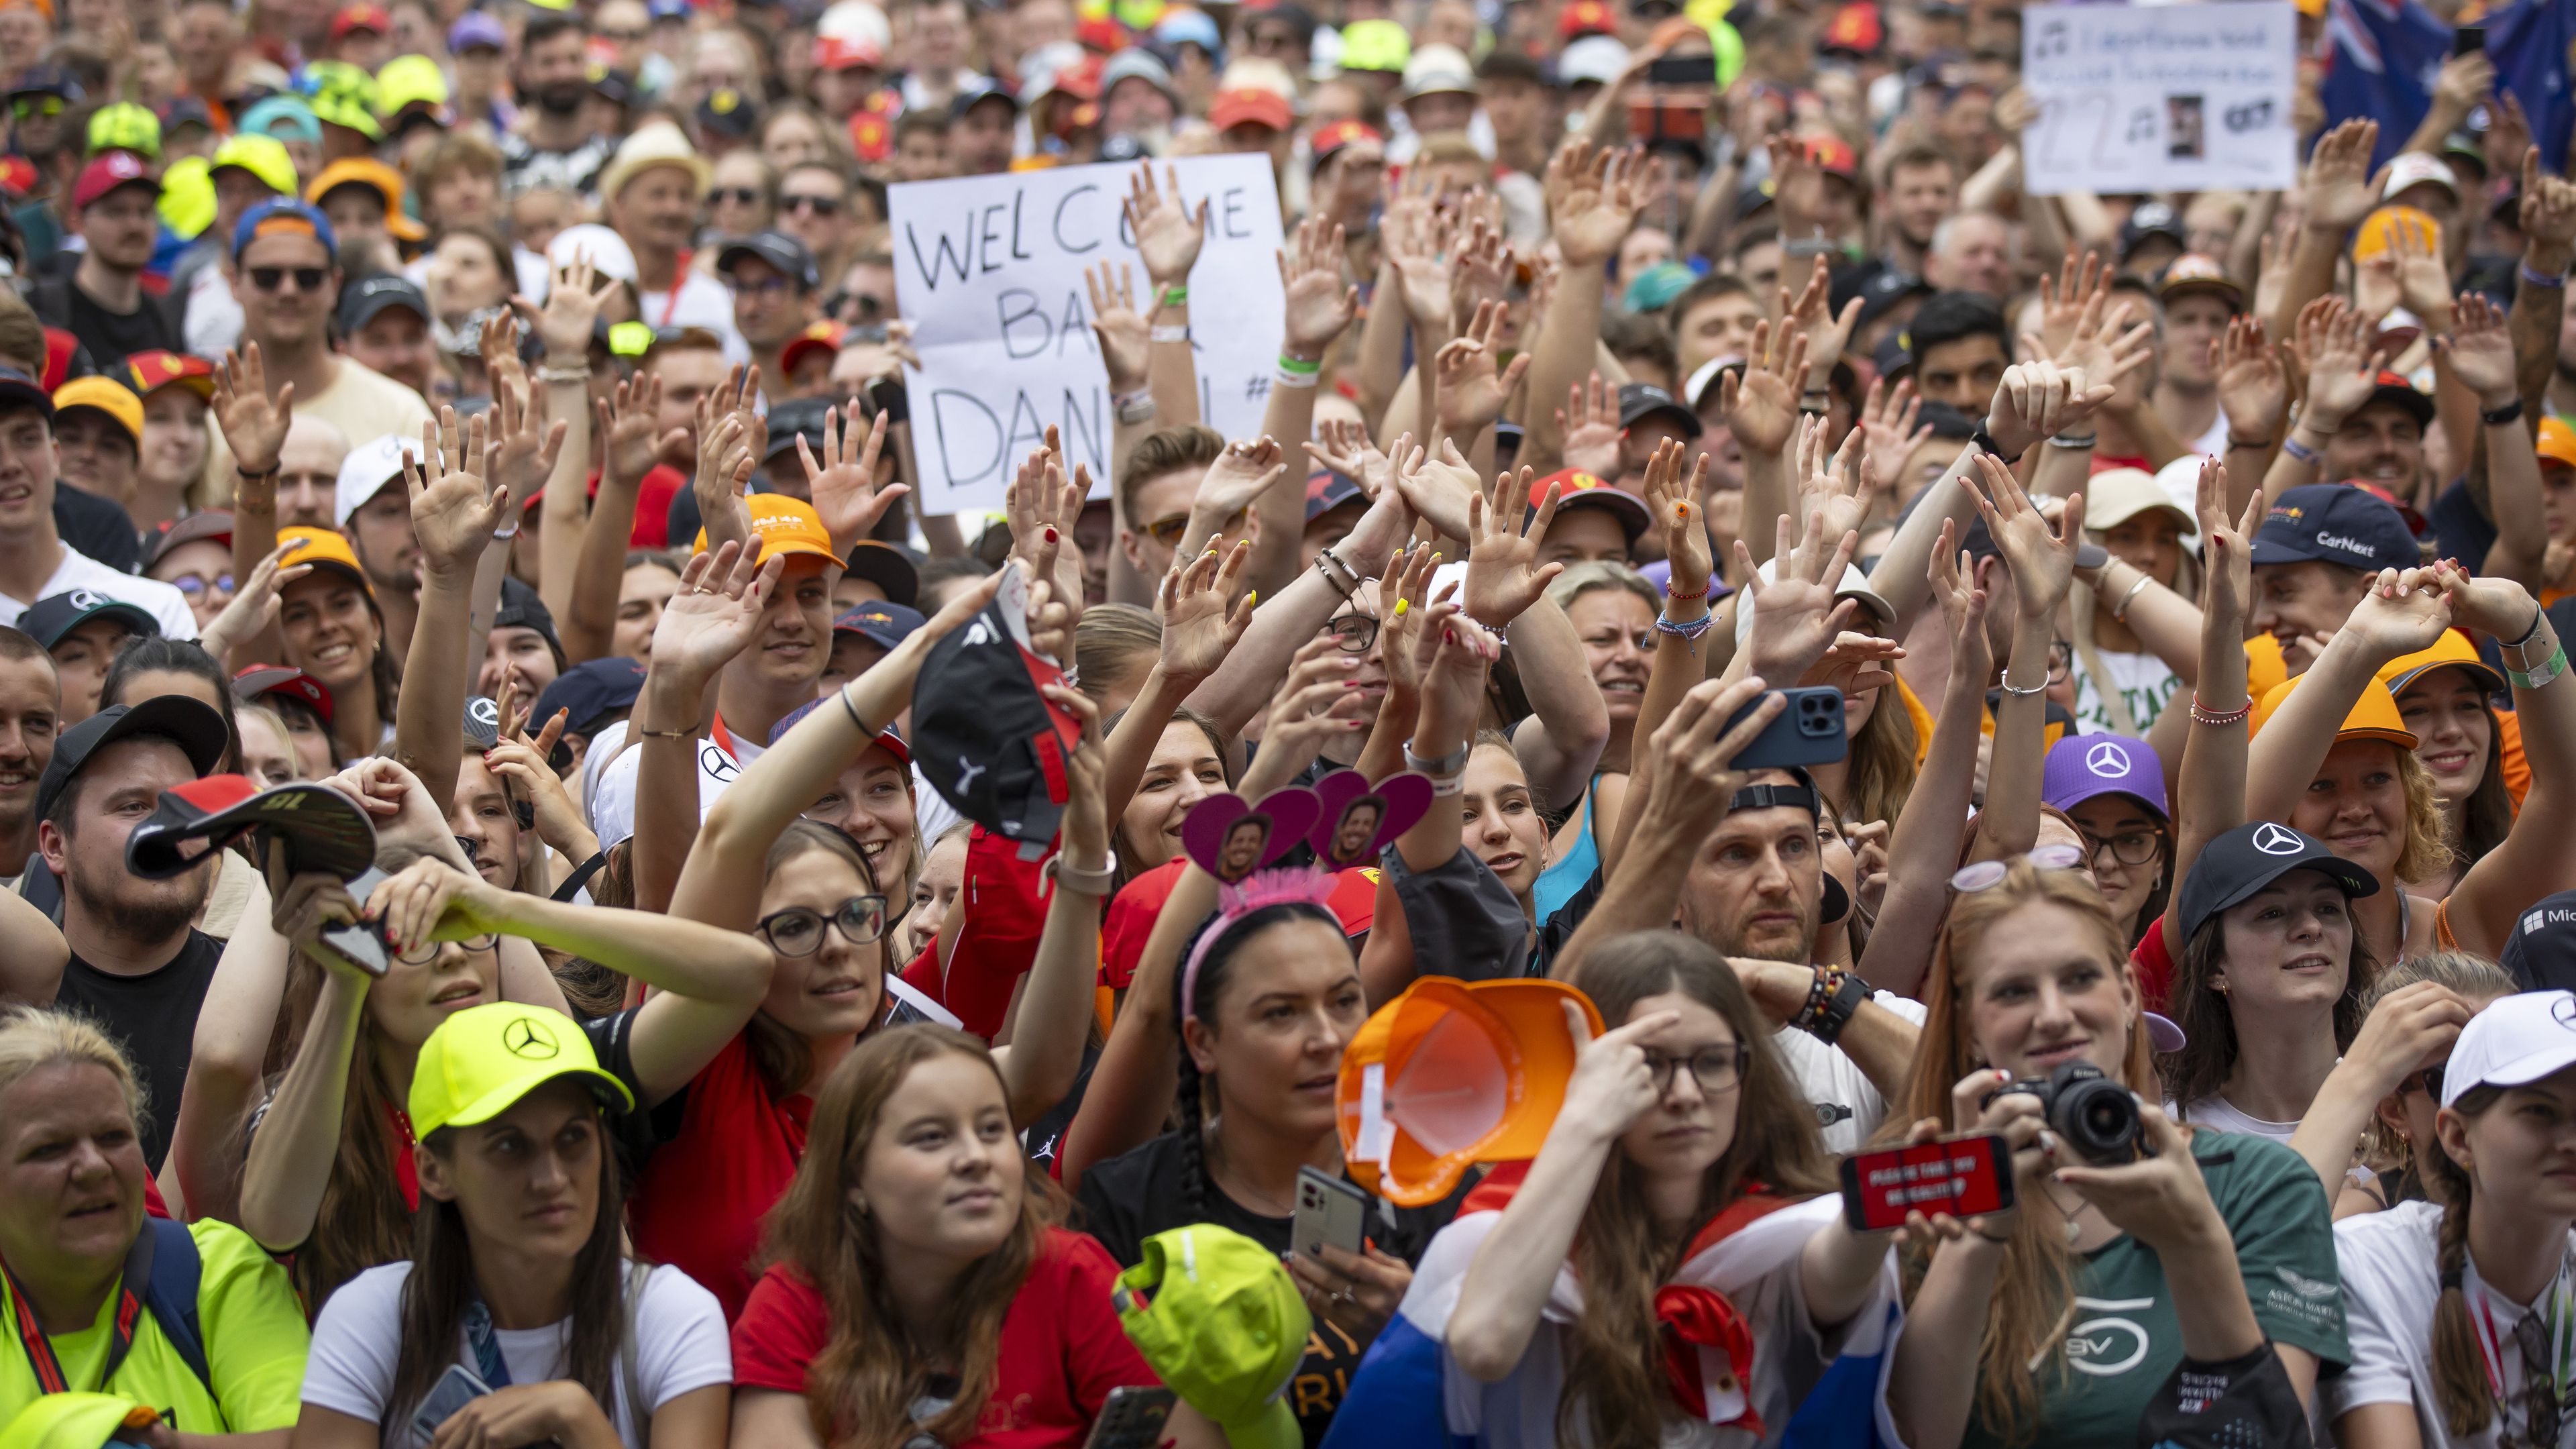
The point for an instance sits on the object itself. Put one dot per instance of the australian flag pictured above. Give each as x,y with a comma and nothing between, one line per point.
2383,57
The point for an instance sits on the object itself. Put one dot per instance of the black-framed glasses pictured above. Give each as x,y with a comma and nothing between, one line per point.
797,931
1717,1068
819,205
738,195
1356,633
307,279
2129,847
2061,661
424,955
1985,875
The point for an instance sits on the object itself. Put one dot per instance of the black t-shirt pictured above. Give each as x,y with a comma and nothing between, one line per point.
154,1016
111,337
96,527
1135,1195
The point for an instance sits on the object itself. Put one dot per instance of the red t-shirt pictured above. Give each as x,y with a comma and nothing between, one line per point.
1062,1347
2153,961
653,507
699,1203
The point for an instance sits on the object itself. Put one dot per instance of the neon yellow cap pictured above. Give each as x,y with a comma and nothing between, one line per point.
1219,1318
188,196
1375,45
125,126
482,1060
409,80
262,156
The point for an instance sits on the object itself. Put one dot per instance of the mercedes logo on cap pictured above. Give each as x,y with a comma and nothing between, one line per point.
2106,759
2274,839
528,1037
87,599
2563,1011
484,711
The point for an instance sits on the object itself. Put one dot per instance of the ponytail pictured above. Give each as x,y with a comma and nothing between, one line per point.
2460,1386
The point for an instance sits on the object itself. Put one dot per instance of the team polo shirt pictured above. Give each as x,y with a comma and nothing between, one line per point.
254,1336
700,1200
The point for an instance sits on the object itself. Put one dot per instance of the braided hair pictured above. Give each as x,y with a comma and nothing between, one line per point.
1190,1098
2460,1386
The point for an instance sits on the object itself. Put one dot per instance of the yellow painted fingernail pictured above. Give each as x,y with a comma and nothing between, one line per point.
1252,598
1401,605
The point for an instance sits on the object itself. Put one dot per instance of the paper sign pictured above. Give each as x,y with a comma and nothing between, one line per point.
989,270
2159,98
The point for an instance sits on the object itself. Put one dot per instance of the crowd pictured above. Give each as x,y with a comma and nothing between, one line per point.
1750,658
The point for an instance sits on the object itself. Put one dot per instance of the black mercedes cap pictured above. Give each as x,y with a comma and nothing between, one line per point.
2541,952
48,619
2231,868
2339,524
193,723
791,257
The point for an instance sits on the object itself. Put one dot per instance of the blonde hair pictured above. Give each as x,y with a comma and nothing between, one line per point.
33,1038
2466,974
2427,851
1592,575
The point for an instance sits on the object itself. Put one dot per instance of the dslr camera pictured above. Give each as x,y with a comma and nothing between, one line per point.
2088,1111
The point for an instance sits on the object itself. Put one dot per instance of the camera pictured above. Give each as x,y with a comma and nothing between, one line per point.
2088,1111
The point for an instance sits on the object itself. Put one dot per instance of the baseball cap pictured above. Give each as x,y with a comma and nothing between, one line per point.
1327,491
521,608
1137,63
1585,17
109,171
2452,650
1179,26
264,157
606,249
2374,716
105,395
799,417
2231,868
589,692
1654,288
2418,168
412,83
975,93
324,549
1578,489
2116,495
1596,59
1855,28
880,623
2149,220
2191,272
1335,137
982,735
889,567
362,300
1220,1320
370,468
1452,1073
125,126
2080,767
264,679
482,1060
376,176
1880,285
2516,1041
823,335
1438,70
284,216
194,724
476,30
48,619
2377,235
790,257
1855,585
363,16
264,118
322,829
1375,45
149,372
1253,105
1640,400
2541,952
2557,442
206,524
784,526
727,112
2338,524
47,80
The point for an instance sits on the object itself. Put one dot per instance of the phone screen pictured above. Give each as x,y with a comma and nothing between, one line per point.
2468,40
1963,1177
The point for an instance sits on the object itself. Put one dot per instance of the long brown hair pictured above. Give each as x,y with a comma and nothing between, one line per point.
2460,1385
784,1059
2200,1070
1616,1390
362,1221
860,1389
1882,770
2035,1289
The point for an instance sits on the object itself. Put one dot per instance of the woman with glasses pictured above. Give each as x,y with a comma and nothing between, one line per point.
330,1176
742,198
2070,1317
2112,791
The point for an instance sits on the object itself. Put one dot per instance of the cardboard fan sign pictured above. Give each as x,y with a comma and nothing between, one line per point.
1346,820
985,738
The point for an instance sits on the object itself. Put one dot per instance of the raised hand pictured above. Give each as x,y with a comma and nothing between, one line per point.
1126,340
571,313
1199,630
2227,553
1481,269
1453,656
1595,198
626,426
1798,184
454,508
1314,706
1812,314
1168,236
2343,362
2548,214
1760,400
1855,662
1795,615
1695,750
1504,576
1832,482
253,607
1242,472
1963,608
1888,421
524,447
2479,349
1470,392
560,823
2107,350
2423,278
1416,240
1589,422
1437,488
1345,447
2072,300
2340,190
716,611
2042,559
2489,603
1402,591
2253,389
843,483
1319,304
1669,496
2039,400
253,421
2403,611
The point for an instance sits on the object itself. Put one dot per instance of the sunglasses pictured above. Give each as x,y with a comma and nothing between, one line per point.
797,931
194,584
622,37
307,279
738,195
32,107
1987,874
819,205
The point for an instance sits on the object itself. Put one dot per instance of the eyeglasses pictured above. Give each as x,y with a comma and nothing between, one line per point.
307,279
819,205
1356,633
797,931
2129,847
621,37
2061,661
194,584
1987,874
2427,1081
738,195
33,106
424,955
1716,1068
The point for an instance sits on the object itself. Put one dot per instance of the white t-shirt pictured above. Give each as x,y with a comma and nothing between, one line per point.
681,1347
703,302
78,570
612,793
1848,1108
2219,1115
2143,682
2390,1265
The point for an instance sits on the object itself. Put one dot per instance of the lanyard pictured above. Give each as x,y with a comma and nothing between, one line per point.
724,737
406,1172
2562,1325
487,1349
129,1314
679,279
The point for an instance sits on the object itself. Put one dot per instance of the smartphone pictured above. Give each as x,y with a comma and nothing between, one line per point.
2468,40
1808,732
1329,1210
363,942
888,395
1682,70
453,1391
1961,1176
1132,1418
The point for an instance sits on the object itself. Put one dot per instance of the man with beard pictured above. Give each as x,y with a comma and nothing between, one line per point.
102,302
548,142
31,701
384,321
1922,190
138,966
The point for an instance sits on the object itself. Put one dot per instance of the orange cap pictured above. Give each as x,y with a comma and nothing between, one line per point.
2557,442
783,525
2374,716
1453,1073
322,548
2451,650
2378,232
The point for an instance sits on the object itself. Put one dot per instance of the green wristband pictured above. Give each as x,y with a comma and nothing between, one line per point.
2545,675
1176,296
1299,365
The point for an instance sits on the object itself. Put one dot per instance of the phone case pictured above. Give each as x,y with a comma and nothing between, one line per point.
1808,732
1328,1211
1963,1176
454,1390
1131,1419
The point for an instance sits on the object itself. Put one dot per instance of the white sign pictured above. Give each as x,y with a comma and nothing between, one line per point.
989,270
2159,97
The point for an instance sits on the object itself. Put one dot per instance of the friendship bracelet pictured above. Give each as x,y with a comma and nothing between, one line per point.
1170,334
2542,279
1345,590
1671,594
2120,610
1688,631
2234,441
2542,677
2201,714
2039,688
2296,449
1352,574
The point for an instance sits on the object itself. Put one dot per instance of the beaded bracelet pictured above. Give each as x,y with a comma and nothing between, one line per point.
2200,714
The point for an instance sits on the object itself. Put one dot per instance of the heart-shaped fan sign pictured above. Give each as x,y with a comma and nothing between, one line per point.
1357,821
1230,839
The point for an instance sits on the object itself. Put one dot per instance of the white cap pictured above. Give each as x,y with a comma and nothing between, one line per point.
2516,1041
1438,69
2414,168
855,20
368,470
607,250
1596,58
1855,585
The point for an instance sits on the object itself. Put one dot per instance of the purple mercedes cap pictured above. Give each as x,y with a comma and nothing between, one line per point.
2082,766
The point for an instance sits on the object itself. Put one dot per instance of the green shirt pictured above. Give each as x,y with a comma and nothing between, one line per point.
2124,1342
255,1343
